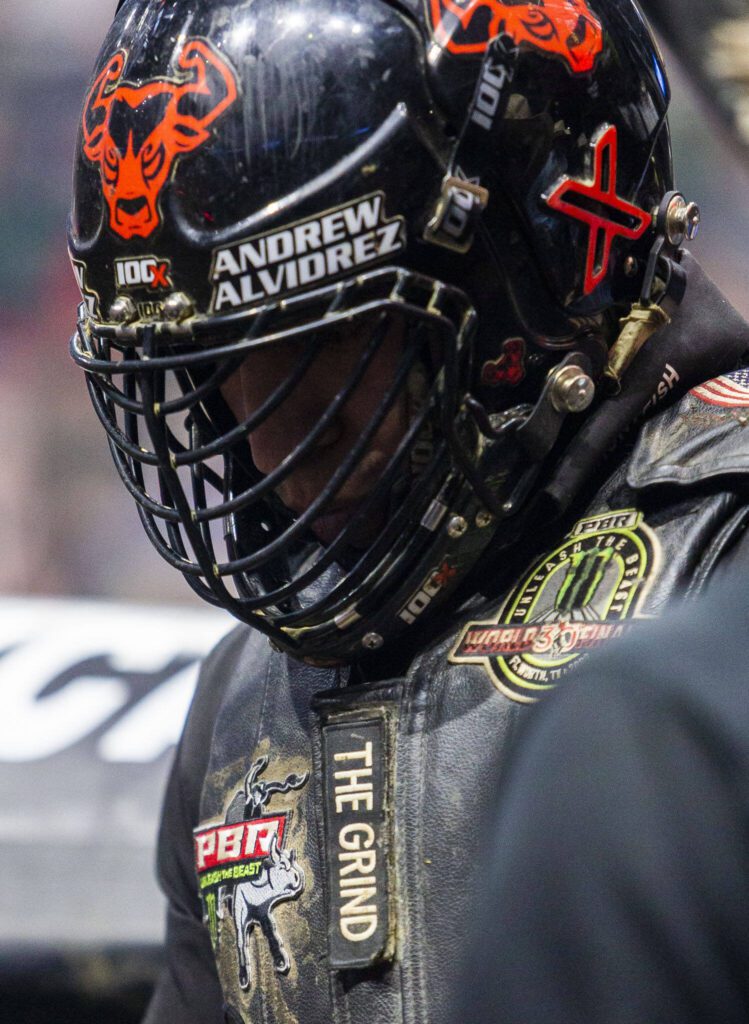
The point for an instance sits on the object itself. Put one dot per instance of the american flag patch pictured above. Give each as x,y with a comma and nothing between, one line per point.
730,391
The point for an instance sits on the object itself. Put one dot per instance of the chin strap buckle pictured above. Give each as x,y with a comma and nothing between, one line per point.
569,388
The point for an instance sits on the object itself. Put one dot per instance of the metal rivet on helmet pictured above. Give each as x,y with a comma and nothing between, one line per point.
682,220
572,390
456,527
631,266
122,310
372,641
178,306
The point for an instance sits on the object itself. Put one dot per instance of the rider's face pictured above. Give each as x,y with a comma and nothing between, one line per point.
278,435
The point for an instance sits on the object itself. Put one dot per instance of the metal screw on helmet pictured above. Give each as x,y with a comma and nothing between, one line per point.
372,641
682,220
122,310
630,266
572,389
178,306
693,218
456,527
484,519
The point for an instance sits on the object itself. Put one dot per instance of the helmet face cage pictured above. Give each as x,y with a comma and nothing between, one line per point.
187,461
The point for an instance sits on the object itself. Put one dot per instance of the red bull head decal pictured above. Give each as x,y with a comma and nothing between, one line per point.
135,133
567,29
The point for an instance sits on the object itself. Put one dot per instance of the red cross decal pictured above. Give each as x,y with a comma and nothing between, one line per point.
591,202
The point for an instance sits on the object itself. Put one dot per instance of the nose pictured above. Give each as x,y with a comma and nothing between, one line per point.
297,416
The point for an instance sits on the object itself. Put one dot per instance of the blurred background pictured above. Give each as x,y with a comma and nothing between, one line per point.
99,640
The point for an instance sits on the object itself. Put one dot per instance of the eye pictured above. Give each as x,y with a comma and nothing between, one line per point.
540,25
152,160
111,164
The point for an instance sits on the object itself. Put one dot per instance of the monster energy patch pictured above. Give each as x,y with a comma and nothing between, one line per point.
355,779
581,595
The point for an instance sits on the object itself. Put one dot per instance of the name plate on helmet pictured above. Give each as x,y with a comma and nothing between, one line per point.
357,840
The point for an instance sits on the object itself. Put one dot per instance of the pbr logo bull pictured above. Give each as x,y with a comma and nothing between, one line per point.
566,29
134,134
244,871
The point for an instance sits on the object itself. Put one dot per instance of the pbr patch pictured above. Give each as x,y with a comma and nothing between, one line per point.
357,841
583,594
565,29
245,870
730,391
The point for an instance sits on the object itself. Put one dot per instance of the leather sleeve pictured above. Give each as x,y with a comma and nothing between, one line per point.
188,991
618,883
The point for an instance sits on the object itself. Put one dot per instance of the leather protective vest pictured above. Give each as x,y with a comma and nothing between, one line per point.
343,827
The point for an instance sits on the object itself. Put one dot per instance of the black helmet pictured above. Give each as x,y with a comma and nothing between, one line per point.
475,178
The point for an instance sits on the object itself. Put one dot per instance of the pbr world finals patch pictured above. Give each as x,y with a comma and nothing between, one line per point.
581,595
